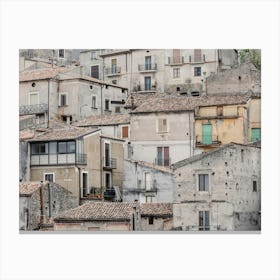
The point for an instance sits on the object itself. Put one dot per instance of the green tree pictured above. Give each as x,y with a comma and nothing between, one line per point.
251,55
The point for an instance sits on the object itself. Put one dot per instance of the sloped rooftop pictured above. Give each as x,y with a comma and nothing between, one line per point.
162,210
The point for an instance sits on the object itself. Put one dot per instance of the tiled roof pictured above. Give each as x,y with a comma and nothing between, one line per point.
28,188
42,74
205,154
99,211
26,134
69,132
173,104
156,209
165,169
98,120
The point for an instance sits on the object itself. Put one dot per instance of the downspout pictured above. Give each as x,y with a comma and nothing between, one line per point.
101,173
130,72
41,204
79,179
48,104
190,134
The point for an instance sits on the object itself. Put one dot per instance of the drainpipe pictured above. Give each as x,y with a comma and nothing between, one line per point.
79,184
48,123
101,173
42,220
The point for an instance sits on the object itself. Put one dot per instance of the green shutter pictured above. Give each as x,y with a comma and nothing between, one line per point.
256,134
207,133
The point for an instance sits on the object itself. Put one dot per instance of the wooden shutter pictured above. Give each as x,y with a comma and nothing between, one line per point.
176,56
207,133
125,132
256,134
95,71
166,156
197,55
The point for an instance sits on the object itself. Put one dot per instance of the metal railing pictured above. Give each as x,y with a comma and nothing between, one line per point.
163,162
110,163
176,60
58,159
33,109
147,67
197,58
112,70
199,141
109,193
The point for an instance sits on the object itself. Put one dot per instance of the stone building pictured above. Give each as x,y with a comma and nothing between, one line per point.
80,159
219,190
64,93
40,202
156,216
165,70
246,77
146,182
100,216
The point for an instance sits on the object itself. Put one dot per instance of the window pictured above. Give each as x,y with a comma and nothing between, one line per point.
107,154
33,98
117,109
66,147
203,220
197,71
149,199
219,110
256,134
39,148
151,220
148,83
93,55
93,102
163,156
61,53
176,73
207,134
49,177
195,93
85,183
162,125
114,65
114,82
176,55
148,63
107,180
125,132
203,182
94,71
107,104
148,181
53,147
63,99
254,186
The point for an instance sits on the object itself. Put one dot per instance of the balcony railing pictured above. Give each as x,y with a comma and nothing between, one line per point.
109,163
207,141
176,60
163,162
33,109
109,193
143,88
58,159
111,71
197,58
147,67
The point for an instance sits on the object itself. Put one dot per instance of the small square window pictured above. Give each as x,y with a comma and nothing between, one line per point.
117,109
61,53
151,220
162,125
63,99
176,73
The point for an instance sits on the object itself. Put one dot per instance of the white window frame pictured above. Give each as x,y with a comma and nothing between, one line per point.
60,94
48,173
31,93
81,180
203,172
178,73
157,125
93,55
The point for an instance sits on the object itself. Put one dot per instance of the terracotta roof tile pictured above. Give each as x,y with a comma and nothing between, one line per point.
170,103
69,132
156,209
28,188
101,211
98,120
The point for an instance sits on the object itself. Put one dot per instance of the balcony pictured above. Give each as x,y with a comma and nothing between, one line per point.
109,163
148,67
33,109
113,71
207,141
163,162
58,159
145,89
196,59
176,60
109,193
